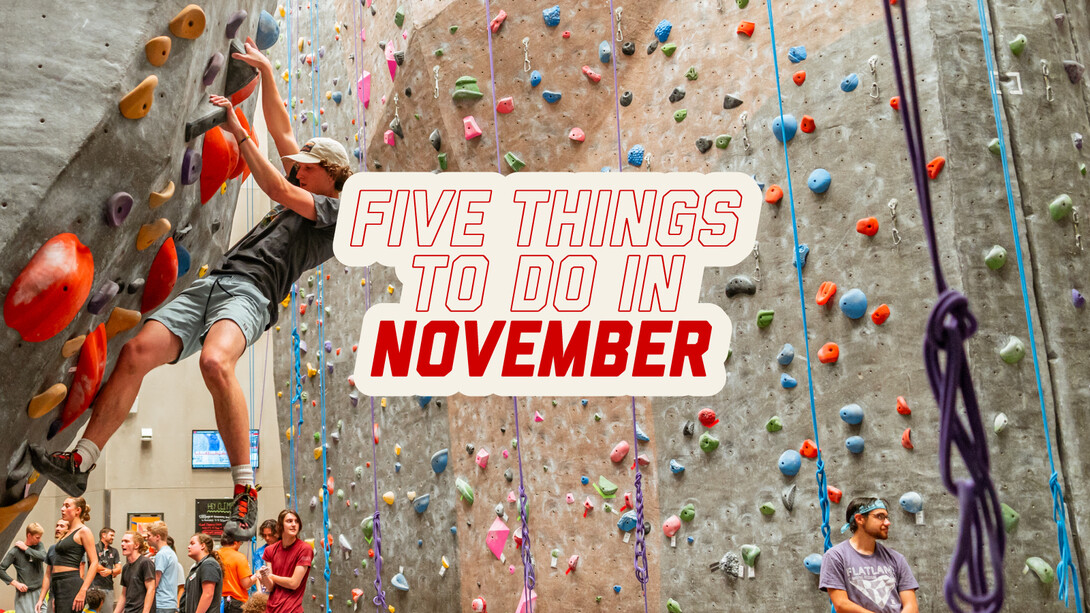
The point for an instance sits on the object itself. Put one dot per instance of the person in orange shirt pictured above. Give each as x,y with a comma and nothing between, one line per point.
237,577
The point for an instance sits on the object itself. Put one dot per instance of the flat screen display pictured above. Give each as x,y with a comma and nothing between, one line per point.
209,452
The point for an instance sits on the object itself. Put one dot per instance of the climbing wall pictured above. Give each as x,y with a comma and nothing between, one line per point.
93,182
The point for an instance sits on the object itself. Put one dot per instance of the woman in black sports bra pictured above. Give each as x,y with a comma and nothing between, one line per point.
67,588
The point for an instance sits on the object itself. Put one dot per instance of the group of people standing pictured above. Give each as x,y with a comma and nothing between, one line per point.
77,574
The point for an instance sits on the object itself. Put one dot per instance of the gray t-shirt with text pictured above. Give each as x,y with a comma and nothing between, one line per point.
873,582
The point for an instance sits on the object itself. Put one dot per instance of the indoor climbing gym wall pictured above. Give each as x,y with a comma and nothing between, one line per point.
416,503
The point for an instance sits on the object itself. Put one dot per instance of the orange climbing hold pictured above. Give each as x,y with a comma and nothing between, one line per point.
774,194
9,513
120,321
151,232
880,315
89,371
825,292
902,406
807,124
188,23
799,77
161,277
906,439
895,103
935,166
137,103
46,401
72,346
746,28
867,225
218,158
829,353
808,449
51,289
834,494
157,50
156,199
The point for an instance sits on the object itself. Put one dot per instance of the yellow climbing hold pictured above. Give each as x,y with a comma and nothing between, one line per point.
121,320
382,403
137,103
310,542
311,371
157,50
363,282
317,453
279,394
46,401
157,199
223,188
202,271
397,450
444,562
411,495
329,95
301,41
72,346
389,289
285,76
151,232
9,513
188,23
286,301
388,498
281,10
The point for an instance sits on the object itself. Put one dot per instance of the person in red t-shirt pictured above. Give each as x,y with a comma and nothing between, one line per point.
285,575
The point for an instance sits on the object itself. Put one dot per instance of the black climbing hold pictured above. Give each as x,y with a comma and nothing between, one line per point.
628,48
135,286
503,429
212,117
102,297
399,57
677,94
731,102
373,11
704,143
436,139
408,92
626,98
240,75
382,45
378,165
470,448
646,528
507,474
740,284
689,428
651,48
395,127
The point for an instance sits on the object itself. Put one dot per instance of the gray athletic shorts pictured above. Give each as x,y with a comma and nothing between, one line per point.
191,314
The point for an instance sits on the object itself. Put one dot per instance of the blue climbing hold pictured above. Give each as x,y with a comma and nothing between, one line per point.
912,502
616,589
803,255
627,522
584,480
852,414
796,54
854,303
268,31
662,31
397,465
787,131
420,503
357,153
550,96
812,563
676,467
790,462
690,539
400,582
641,435
786,354
439,460
337,97
819,181
787,381
423,401
551,16
454,530
583,401
854,444
184,261
605,52
850,82
535,78
635,157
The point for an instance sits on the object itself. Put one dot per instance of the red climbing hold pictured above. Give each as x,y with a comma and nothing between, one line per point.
834,494
906,439
895,103
746,28
808,449
51,289
497,21
825,292
590,74
829,353
880,315
566,34
240,166
774,194
707,417
577,135
935,166
902,406
867,225
89,371
505,105
218,158
161,277
807,124
799,77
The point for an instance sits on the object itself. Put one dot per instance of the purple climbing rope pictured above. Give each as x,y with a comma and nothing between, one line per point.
949,326
640,555
376,525
492,73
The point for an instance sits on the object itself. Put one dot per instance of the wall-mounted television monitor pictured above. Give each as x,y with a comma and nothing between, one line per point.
209,452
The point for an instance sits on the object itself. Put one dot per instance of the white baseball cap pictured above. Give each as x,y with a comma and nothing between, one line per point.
321,149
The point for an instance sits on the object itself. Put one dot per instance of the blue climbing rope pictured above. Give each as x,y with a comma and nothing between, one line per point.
1059,515
822,481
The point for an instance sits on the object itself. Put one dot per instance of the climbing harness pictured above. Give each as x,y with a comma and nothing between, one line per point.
893,221
822,481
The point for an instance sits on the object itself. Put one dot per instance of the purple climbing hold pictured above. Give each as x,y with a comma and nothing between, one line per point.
328,346
212,68
234,22
1074,70
191,166
117,208
102,297
1077,298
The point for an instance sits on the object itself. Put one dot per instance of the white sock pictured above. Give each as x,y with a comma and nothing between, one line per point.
243,474
88,453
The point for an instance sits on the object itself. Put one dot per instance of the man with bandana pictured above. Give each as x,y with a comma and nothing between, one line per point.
860,574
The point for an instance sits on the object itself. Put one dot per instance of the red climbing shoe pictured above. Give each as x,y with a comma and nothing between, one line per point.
62,468
243,523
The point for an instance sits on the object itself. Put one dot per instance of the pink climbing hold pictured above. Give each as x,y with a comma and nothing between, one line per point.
482,458
573,562
363,89
497,537
619,452
588,506
643,460
388,138
577,135
497,21
505,454
390,61
570,498
471,127
671,526
511,497
505,105
522,602
590,74
538,417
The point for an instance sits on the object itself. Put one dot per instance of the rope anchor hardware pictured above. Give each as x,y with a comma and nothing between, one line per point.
893,220
873,63
526,54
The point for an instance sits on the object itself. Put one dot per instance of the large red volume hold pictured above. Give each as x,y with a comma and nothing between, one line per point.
161,278
218,158
89,371
51,289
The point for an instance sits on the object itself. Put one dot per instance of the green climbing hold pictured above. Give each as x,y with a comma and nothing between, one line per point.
774,424
1010,517
453,29
597,599
514,161
340,494
764,317
597,417
514,443
768,509
750,553
690,74
669,49
996,258
368,527
1060,207
722,141
465,490
466,88
680,115
688,512
442,161
605,488
317,437
399,16
1042,569
439,52
1013,351
994,146
1018,45
1082,169
672,606
708,443
742,3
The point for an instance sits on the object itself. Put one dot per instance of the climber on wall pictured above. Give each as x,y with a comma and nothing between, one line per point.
860,574
222,314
